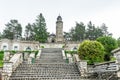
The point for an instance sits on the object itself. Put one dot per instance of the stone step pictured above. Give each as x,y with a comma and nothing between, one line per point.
50,66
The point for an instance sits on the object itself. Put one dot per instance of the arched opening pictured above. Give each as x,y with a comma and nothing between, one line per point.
4,47
53,40
15,48
28,49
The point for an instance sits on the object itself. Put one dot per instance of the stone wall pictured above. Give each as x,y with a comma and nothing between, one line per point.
51,45
6,44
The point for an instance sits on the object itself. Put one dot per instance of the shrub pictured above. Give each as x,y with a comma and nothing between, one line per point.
109,44
92,51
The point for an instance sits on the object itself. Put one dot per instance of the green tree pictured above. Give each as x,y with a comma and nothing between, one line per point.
92,51
0,35
104,29
78,33
98,32
90,32
67,36
13,30
29,32
40,29
118,41
109,44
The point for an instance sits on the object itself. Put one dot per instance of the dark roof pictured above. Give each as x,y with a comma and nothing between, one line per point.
52,34
59,18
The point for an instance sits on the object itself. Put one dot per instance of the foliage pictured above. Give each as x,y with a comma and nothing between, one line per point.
90,32
78,33
67,36
109,44
40,30
1,63
13,30
1,58
41,46
118,41
104,29
0,35
29,32
112,58
81,32
71,52
92,51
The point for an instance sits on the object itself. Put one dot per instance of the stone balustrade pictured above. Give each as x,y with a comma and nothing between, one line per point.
76,58
11,65
16,60
39,54
49,66
26,55
70,59
6,56
31,58
82,66
63,54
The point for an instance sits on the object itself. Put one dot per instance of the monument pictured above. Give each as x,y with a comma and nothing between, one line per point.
59,30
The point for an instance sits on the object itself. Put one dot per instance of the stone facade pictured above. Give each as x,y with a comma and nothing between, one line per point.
59,30
6,44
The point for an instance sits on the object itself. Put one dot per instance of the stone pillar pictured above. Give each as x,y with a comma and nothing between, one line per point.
63,54
39,54
6,56
7,70
31,58
69,58
76,58
26,55
82,66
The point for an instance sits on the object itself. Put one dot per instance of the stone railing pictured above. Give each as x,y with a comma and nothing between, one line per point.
6,56
69,57
81,64
63,54
16,60
106,67
11,65
31,58
39,54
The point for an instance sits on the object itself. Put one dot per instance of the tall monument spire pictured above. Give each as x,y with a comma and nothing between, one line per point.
59,29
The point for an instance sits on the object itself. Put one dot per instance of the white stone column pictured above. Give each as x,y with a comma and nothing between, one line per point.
69,58
76,57
6,56
39,54
31,56
26,55
63,54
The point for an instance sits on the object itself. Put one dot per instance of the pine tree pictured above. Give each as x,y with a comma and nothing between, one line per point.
13,30
40,30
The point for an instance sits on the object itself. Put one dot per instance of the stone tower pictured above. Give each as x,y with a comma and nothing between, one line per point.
59,30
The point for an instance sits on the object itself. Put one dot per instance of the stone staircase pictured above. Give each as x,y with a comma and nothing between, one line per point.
50,66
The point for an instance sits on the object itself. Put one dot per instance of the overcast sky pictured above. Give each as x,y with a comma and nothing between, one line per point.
97,11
